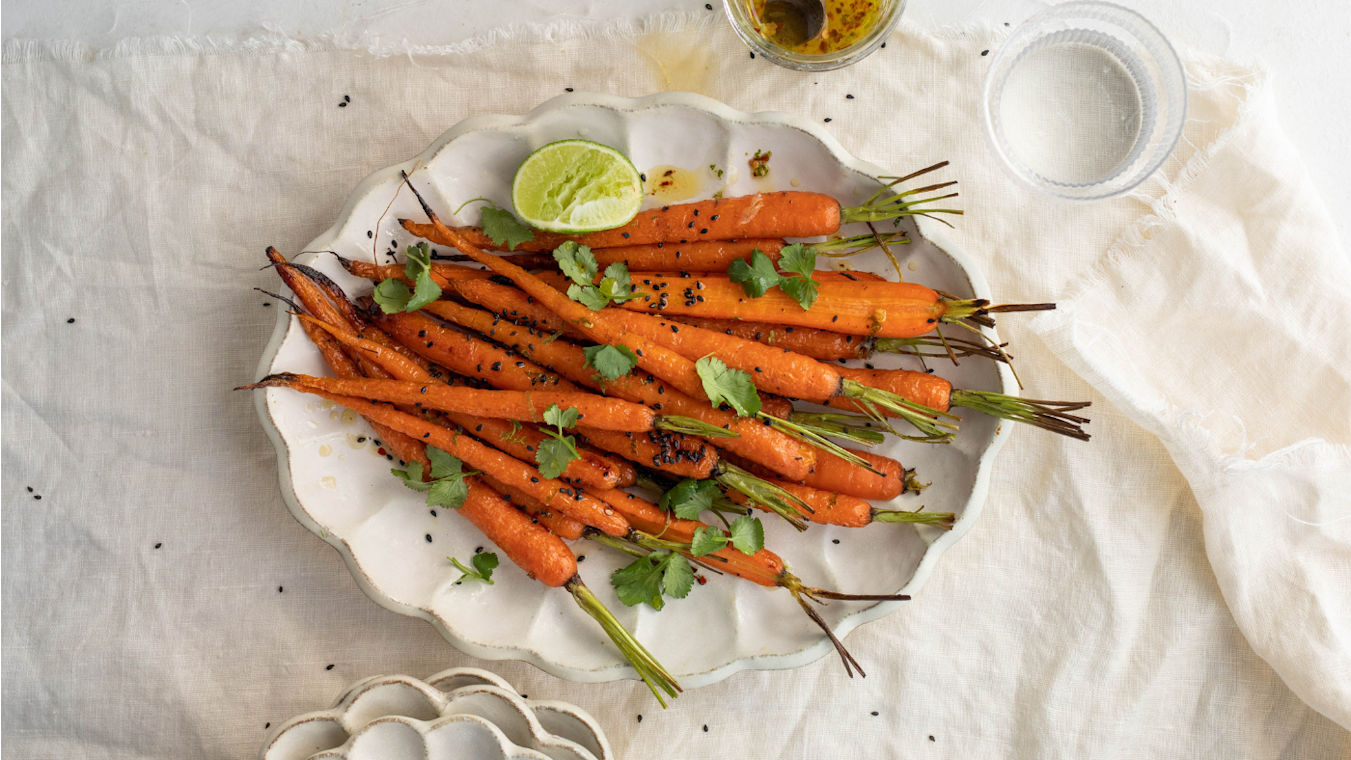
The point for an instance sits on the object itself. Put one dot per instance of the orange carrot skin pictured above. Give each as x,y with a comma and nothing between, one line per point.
764,567
885,309
393,362
781,453
527,406
822,345
697,256
776,370
442,274
775,406
470,356
785,214
521,441
560,525
626,473
542,555
831,508
837,475
921,387
680,455
553,493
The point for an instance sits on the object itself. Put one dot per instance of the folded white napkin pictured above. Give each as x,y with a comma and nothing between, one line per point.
160,601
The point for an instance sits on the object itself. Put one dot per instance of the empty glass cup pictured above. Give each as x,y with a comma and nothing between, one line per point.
1085,100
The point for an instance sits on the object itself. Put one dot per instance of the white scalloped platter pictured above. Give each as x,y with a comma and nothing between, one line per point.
338,485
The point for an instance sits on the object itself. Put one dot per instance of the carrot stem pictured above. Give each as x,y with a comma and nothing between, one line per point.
942,520
1048,415
651,671
816,436
760,491
851,427
932,424
961,347
690,426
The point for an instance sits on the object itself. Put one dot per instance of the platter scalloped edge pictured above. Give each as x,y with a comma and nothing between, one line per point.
981,437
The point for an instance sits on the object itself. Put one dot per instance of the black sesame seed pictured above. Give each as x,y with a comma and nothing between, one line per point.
696,212
705,728
709,6
704,231
834,540
279,589
330,667
625,234
984,52
874,712
640,719
158,545
835,318
433,511
827,119
568,89
30,489
37,497
267,725
497,366
71,321
931,736
884,44
753,54
581,557
342,105
347,98
848,97
642,177
429,538
478,550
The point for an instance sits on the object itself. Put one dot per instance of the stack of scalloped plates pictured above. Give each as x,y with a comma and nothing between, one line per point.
461,713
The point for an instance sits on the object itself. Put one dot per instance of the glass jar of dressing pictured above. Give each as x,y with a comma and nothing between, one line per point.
813,35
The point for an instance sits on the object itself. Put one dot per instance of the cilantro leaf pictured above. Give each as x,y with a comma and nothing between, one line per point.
443,464
618,284
757,277
562,418
678,578
639,582
449,493
577,263
412,477
611,361
392,295
499,225
798,258
706,541
426,291
553,456
801,289
748,534
726,385
689,498
588,296
484,564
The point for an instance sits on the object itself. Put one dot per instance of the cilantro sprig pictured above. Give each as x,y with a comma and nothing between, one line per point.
746,535
393,295
580,266
484,564
553,455
612,362
446,487
760,274
502,228
690,498
725,385
647,579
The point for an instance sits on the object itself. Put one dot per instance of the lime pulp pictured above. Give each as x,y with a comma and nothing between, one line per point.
576,186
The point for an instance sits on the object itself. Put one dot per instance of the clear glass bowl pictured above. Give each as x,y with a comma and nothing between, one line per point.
1084,100
742,15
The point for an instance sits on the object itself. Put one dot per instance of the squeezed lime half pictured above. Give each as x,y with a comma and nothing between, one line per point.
576,186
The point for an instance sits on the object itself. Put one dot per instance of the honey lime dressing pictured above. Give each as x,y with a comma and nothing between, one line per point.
847,21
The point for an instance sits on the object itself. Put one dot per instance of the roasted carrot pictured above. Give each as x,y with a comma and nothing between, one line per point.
558,524
697,256
590,469
535,550
468,355
784,214
599,412
773,449
938,393
850,511
837,475
680,455
442,274
627,474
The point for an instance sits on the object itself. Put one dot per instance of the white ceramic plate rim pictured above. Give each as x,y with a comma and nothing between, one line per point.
933,231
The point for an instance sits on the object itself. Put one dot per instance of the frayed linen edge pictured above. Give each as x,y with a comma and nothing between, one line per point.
269,40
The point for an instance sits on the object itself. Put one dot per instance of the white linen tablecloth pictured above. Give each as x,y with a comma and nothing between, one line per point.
1178,587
